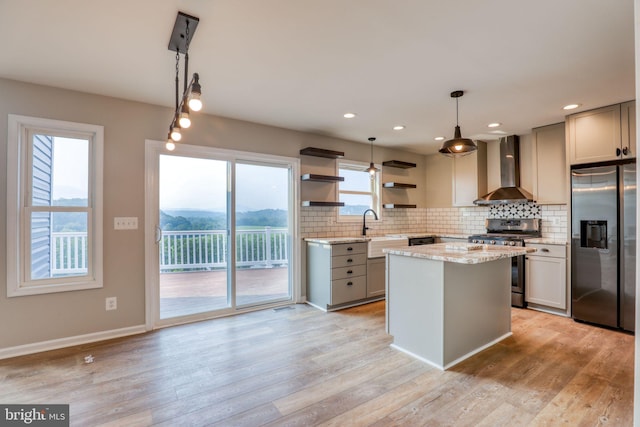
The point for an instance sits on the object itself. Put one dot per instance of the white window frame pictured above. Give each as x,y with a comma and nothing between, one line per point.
19,211
377,194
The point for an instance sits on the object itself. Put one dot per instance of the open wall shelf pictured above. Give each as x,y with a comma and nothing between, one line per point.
398,164
398,206
312,203
321,178
321,152
398,185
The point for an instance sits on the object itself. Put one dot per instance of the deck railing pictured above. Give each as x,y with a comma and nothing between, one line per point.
187,250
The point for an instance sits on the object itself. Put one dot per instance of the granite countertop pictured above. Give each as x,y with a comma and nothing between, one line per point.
459,253
546,241
336,240
452,235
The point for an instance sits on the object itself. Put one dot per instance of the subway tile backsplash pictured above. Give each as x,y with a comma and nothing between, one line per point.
322,221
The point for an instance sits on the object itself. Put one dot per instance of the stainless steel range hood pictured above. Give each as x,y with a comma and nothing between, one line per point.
510,191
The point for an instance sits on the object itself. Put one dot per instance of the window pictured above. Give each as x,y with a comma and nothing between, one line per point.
359,191
54,206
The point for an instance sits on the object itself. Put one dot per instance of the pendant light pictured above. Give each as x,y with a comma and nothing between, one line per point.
372,168
458,146
182,34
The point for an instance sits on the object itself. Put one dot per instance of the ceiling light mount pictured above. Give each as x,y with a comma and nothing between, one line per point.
458,146
181,36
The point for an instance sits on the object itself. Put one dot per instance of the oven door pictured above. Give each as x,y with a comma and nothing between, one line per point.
517,281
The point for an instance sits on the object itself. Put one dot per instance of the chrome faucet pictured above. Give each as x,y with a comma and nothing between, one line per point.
364,220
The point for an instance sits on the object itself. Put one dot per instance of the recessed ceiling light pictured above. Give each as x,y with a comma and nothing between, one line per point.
349,115
571,107
399,127
439,138
494,125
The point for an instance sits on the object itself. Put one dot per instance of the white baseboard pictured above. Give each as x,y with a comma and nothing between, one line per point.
38,347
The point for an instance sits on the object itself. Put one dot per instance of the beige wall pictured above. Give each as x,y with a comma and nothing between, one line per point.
32,319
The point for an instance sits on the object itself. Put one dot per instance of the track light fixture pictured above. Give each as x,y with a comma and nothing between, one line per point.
181,36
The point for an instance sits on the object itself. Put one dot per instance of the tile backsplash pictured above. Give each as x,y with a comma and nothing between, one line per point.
322,221
515,210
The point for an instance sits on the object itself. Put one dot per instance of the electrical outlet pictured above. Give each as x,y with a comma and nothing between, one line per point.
125,223
111,303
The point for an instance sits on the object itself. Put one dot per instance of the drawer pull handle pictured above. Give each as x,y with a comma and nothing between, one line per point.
349,283
544,250
349,248
350,272
349,260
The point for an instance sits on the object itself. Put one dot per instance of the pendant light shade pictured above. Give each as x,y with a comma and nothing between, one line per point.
372,168
458,146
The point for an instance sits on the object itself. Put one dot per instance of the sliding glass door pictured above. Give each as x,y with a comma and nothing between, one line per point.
224,229
193,220
262,233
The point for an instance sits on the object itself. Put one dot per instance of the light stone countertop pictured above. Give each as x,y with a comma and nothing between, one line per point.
336,240
455,252
546,241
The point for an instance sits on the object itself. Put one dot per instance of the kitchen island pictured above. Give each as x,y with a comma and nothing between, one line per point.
447,302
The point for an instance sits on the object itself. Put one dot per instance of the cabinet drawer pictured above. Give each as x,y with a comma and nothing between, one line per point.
558,251
347,272
346,290
348,260
348,249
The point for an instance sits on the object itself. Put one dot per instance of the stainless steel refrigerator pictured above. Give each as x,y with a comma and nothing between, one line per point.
603,244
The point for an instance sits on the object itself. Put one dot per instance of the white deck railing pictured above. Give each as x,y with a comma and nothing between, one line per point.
186,250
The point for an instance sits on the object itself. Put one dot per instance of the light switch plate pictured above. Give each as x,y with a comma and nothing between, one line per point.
125,223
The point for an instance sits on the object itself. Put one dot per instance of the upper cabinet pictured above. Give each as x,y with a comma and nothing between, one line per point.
470,176
602,134
550,175
628,128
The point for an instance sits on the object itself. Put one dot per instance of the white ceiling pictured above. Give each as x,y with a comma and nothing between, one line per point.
301,64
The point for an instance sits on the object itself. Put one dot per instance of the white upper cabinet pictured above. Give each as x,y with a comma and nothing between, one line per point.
470,176
601,134
550,170
628,128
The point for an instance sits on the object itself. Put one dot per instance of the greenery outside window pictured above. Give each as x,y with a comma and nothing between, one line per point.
54,206
359,191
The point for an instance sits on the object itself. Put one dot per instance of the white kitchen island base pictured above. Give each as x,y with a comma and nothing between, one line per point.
444,312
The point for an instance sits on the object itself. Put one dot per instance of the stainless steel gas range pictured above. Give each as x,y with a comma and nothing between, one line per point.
511,232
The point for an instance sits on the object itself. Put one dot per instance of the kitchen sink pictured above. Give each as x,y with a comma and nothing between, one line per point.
376,244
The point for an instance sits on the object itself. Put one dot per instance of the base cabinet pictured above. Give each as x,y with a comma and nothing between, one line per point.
375,277
336,274
546,276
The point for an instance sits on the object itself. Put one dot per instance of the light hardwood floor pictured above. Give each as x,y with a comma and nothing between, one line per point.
299,366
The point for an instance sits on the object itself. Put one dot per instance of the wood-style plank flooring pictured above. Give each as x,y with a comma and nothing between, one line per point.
300,367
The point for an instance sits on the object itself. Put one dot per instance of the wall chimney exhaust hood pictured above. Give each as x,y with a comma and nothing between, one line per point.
510,191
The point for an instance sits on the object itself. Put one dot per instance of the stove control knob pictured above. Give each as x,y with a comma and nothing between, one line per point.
512,243
493,242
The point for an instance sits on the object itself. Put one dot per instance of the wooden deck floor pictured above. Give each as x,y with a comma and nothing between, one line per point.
304,367
200,291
